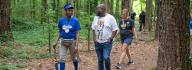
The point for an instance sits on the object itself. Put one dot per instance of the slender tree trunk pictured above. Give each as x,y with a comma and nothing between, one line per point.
141,5
109,4
44,10
70,1
111,7
126,4
117,9
57,10
174,41
76,9
54,4
33,10
157,13
148,20
5,28
131,5
54,7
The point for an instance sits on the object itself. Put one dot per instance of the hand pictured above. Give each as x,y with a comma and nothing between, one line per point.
111,39
54,46
76,49
135,37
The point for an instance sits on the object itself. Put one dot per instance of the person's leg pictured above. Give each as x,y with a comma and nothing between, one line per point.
129,41
63,56
107,52
143,24
140,27
74,55
99,51
128,54
122,57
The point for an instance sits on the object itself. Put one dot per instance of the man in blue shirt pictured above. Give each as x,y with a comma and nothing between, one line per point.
68,35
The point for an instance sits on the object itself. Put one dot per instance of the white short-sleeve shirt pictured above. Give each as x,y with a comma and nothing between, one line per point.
104,27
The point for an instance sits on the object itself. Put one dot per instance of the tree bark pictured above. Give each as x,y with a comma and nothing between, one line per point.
126,4
174,41
57,10
131,5
111,7
54,4
44,10
117,9
157,13
33,10
141,5
5,28
148,20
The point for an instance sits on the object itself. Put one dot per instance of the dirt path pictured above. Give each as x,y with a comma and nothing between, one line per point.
143,54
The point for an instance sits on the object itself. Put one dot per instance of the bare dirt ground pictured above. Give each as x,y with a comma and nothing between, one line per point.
143,53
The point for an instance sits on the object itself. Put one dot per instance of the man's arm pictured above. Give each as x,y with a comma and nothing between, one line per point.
115,28
113,35
94,39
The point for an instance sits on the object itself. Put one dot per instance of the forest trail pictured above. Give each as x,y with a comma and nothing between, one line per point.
143,53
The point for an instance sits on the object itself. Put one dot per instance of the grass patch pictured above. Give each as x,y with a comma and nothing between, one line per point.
9,66
5,52
152,68
16,58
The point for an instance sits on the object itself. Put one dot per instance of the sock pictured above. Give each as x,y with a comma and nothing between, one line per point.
62,66
76,65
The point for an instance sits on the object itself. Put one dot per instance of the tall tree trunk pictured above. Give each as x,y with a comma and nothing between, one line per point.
157,13
54,9
54,4
44,10
76,10
148,20
111,7
5,28
33,10
131,5
107,3
174,41
117,9
126,4
93,4
141,5
71,1
57,10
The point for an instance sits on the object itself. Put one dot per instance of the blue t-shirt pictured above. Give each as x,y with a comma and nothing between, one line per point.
126,27
68,28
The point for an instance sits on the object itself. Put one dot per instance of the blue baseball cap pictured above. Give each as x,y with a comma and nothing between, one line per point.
68,6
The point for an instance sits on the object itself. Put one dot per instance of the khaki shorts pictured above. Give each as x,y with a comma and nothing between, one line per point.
64,47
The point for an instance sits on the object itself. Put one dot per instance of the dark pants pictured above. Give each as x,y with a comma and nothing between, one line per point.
142,25
103,51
